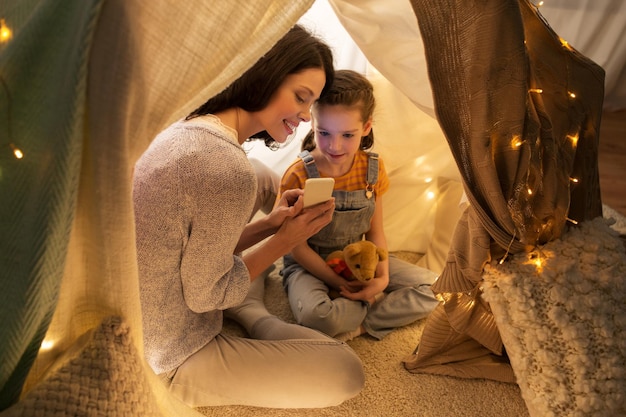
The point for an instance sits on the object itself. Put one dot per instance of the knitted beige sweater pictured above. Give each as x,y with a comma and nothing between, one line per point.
193,192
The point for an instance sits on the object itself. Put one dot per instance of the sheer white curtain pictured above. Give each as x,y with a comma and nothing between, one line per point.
388,35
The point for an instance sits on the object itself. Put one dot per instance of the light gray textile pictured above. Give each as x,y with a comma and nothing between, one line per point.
408,298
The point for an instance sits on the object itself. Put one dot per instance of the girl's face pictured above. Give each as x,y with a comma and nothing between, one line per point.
338,132
291,103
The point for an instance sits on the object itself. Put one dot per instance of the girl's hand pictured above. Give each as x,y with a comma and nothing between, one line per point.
364,291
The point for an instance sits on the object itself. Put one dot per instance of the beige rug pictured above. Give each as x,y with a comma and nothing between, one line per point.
390,390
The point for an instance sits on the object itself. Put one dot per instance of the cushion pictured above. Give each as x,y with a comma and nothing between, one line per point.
104,378
561,313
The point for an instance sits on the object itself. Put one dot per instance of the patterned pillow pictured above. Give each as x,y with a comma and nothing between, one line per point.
561,312
105,378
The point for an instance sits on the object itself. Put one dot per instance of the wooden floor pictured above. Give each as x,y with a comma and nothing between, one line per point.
612,160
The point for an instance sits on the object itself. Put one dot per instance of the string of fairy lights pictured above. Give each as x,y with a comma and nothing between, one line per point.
536,257
6,34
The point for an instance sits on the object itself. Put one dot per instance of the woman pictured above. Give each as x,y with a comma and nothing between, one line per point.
194,191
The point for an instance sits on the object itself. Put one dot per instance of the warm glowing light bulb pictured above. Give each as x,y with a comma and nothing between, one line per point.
17,152
536,90
516,142
47,344
428,180
536,259
572,95
430,195
5,32
572,179
573,139
530,192
565,44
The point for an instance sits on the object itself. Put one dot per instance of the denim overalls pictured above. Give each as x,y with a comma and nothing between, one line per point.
353,210
408,295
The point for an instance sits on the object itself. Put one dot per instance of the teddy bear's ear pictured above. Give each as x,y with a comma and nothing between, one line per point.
351,250
382,254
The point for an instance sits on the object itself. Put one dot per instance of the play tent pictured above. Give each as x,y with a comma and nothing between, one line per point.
87,85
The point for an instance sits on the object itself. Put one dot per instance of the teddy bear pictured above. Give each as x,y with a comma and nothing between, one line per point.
357,260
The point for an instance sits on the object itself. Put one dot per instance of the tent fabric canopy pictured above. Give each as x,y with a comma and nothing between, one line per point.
135,69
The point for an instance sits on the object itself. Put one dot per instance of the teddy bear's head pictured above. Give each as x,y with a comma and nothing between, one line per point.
357,260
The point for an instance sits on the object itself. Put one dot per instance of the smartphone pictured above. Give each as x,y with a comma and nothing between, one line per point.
317,190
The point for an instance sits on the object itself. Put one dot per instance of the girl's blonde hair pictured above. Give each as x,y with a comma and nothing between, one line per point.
349,88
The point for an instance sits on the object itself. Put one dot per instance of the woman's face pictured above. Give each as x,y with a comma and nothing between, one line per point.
338,132
291,103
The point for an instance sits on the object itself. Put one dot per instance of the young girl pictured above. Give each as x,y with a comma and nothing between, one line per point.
194,191
336,147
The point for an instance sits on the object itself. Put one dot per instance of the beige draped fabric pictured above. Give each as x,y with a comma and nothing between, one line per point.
142,65
521,111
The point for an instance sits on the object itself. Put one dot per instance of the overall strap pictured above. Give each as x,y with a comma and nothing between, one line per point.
372,173
372,168
309,164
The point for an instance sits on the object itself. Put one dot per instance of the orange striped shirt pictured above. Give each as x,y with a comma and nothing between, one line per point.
354,179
